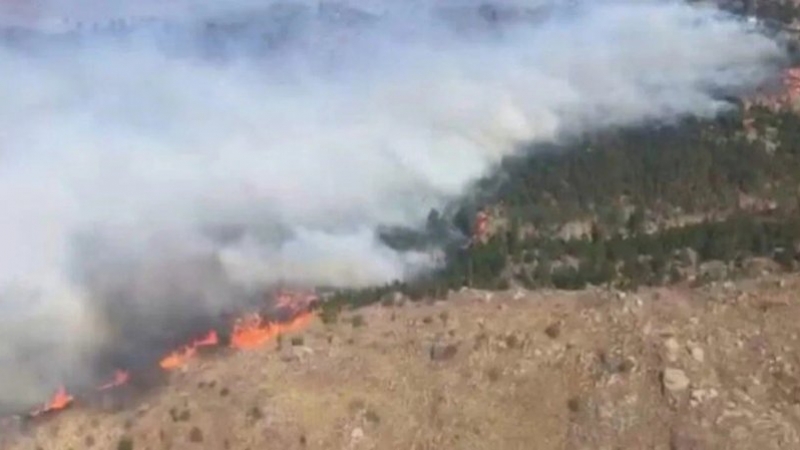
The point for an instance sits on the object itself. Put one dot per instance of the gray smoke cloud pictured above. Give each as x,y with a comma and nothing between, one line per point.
151,175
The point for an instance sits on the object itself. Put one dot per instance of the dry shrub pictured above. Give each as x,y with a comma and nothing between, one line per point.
195,435
553,330
125,443
358,321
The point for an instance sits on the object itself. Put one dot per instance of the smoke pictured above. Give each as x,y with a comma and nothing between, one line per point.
155,173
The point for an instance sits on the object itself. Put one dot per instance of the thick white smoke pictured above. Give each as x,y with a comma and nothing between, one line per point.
142,180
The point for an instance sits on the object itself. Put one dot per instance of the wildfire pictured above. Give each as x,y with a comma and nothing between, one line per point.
60,400
253,331
120,377
294,302
249,332
179,357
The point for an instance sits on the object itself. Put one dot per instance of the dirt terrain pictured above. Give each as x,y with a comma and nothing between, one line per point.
680,368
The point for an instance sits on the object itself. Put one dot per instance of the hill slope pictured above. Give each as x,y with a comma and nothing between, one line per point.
663,368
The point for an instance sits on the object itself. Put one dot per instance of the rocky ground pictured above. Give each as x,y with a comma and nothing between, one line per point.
714,367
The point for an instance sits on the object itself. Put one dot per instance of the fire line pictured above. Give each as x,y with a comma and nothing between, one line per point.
249,332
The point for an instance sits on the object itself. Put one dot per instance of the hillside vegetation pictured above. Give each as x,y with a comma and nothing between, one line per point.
694,200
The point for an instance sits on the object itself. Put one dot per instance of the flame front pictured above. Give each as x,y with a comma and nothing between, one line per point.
250,331
120,377
178,358
60,400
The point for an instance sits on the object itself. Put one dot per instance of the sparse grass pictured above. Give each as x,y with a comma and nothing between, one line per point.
372,416
488,396
206,384
329,313
512,341
574,404
182,416
125,443
481,339
614,363
441,352
255,413
358,321
196,435
356,405
626,366
553,330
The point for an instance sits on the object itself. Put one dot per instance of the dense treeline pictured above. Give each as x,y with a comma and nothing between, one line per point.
656,258
622,261
782,12
616,180
696,165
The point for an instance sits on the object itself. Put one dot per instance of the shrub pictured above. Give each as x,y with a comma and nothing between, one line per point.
358,321
125,443
372,416
553,330
255,413
329,313
195,435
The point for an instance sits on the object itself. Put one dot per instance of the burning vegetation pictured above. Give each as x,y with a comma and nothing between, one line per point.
783,93
292,312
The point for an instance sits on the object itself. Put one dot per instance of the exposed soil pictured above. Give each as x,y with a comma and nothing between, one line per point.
677,368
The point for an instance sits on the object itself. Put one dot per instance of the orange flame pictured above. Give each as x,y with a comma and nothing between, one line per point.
252,331
60,400
120,377
249,332
178,358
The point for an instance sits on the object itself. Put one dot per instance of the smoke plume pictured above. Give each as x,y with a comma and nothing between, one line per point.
168,167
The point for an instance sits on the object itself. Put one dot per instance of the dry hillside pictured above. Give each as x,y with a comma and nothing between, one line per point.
679,368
